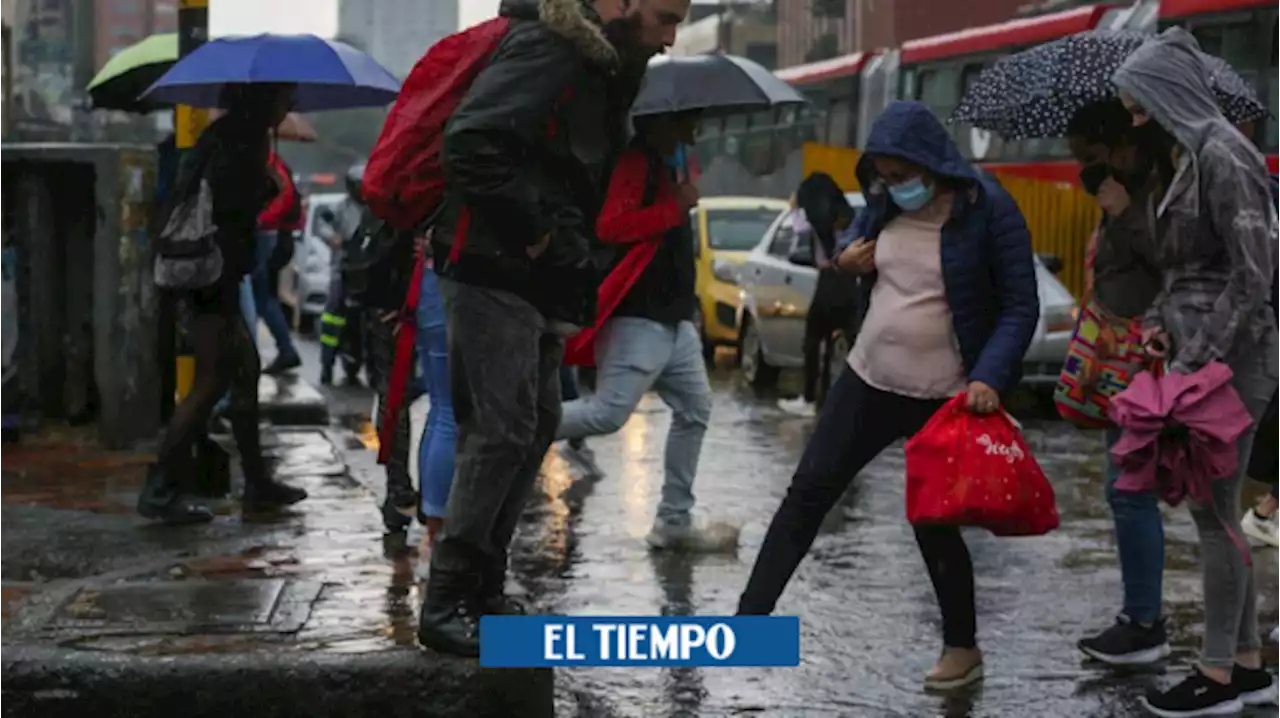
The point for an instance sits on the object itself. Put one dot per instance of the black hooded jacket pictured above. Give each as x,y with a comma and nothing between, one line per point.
527,154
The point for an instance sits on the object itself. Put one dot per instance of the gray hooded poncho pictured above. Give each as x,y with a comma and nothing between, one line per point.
1215,226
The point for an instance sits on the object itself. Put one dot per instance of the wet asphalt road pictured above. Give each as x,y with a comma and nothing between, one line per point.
869,623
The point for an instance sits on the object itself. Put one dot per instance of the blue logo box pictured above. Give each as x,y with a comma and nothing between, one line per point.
559,641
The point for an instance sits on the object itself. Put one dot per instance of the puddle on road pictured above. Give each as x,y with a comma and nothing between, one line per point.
870,625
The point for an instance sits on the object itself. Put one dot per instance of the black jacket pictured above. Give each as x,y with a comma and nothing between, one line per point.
528,150
232,155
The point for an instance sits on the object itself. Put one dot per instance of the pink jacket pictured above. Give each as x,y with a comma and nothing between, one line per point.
1179,432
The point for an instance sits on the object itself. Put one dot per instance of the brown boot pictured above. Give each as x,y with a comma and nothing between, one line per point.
956,668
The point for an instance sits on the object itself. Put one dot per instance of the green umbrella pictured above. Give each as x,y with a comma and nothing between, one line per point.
131,71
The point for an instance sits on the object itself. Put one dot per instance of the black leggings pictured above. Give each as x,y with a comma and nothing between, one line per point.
856,423
225,359
1263,459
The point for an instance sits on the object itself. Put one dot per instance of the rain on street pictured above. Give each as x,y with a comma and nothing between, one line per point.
868,618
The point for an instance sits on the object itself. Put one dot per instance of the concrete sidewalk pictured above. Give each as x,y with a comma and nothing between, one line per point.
294,614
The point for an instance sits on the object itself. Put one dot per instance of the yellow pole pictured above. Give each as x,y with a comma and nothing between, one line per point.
188,123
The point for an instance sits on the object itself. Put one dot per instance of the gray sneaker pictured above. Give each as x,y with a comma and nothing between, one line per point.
713,537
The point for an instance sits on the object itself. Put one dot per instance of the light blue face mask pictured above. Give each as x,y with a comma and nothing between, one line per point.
911,195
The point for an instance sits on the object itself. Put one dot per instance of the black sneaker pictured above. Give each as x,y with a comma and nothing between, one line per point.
282,364
1255,686
1127,643
1195,696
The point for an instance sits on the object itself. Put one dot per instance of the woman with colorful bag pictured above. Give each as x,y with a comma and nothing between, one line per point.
945,256
1104,355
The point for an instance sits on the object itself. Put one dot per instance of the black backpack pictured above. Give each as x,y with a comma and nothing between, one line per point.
377,264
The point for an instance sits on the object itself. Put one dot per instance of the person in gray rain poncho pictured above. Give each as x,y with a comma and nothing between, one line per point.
1214,225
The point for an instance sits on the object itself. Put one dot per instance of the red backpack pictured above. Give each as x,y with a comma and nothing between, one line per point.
403,180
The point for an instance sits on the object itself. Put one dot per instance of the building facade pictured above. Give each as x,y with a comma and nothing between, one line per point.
812,30
396,33
118,24
748,34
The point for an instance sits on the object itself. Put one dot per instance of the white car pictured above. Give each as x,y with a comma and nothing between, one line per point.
778,282
309,292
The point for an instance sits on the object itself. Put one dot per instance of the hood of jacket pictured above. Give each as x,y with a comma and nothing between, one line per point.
910,131
1168,76
574,20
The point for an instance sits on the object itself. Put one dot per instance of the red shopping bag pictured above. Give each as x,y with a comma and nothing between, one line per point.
968,469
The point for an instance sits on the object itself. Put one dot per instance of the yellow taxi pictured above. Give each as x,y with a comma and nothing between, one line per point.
725,230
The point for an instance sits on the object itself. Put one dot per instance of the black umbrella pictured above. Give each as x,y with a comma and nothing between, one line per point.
1035,93
714,84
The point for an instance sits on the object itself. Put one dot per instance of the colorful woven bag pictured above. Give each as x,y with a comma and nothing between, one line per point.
1104,355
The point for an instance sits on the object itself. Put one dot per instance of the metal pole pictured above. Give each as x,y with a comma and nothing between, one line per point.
188,122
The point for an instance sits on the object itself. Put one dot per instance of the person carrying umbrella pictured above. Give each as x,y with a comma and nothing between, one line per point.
231,155
644,336
525,156
1215,223
953,306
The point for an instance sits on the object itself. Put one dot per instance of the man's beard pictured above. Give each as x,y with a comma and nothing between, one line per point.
624,34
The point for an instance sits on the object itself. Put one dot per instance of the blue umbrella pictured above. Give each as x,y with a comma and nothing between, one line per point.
330,75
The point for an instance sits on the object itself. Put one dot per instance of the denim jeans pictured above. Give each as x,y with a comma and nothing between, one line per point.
635,355
504,370
268,305
569,383
436,450
1139,541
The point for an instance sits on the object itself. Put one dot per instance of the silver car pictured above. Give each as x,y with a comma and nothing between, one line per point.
778,281
309,291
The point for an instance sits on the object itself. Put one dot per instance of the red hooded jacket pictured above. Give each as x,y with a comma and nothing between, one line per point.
285,211
625,220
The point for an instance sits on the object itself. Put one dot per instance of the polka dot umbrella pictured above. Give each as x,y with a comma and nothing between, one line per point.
1035,93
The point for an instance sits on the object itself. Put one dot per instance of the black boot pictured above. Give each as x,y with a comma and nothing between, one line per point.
352,374
326,376
267,494
449,621
261,492
161,500
494,600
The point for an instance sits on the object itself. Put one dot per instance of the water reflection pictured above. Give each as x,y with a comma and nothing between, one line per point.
869,620
673,573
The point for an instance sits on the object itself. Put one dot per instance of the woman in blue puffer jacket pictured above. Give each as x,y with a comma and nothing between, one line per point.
948,286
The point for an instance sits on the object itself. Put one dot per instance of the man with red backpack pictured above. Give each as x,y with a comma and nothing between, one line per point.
525,157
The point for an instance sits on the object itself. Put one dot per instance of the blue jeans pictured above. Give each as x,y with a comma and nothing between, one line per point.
1139,541
635,355
268,305
250,314
569,383
436,451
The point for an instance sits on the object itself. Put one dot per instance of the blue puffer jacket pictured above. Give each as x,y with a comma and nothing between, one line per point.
987,264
